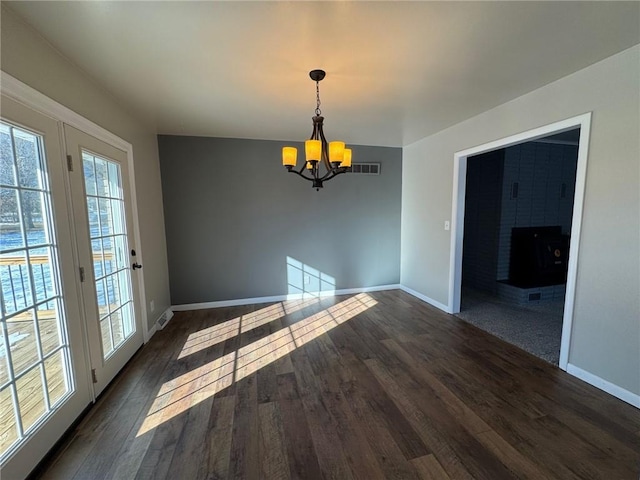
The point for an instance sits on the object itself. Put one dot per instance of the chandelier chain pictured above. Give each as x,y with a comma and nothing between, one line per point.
318,111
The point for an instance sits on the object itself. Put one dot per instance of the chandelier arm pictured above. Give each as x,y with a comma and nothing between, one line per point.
302,167
301,175
334,173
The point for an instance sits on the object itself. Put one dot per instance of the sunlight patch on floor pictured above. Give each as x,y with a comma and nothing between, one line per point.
261,317
183,392
292,306
210,336
269,349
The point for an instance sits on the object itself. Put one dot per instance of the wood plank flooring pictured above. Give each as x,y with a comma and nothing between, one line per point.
366,386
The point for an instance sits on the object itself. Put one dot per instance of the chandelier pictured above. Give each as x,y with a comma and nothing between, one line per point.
333,156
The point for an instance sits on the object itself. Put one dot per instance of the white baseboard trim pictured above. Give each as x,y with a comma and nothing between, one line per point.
618,392
280,298
151,332
424,298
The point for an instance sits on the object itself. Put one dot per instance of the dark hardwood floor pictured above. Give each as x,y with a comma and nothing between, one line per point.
367,386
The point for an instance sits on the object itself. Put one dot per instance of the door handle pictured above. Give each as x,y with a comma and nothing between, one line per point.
136,265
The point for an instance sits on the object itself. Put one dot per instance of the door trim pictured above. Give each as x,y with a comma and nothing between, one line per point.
457,215
23,93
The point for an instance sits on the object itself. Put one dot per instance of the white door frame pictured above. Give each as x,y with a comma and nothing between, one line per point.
457,214
23,93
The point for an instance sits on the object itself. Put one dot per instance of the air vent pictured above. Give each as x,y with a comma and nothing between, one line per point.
164,319
365,168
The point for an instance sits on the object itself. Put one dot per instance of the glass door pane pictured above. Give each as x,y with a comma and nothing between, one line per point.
109,249
35,366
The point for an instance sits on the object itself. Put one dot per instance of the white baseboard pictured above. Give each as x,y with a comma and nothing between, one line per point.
618,392
280,298
424,298
151,332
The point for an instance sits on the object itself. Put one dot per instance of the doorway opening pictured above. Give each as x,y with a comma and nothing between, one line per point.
516,221
517,224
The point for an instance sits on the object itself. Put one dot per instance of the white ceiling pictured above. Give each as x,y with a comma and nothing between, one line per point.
396,71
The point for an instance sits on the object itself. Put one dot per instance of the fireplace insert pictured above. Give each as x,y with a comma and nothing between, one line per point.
539,256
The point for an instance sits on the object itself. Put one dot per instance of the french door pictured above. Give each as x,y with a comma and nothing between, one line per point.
69,305
44,375
101,204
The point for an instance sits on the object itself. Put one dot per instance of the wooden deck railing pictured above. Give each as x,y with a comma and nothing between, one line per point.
41,259
20,261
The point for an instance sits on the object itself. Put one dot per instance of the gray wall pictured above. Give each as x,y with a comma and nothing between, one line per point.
234,216
28,57
605,340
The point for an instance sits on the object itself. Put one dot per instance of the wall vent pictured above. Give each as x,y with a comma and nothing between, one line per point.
365,168
164,319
